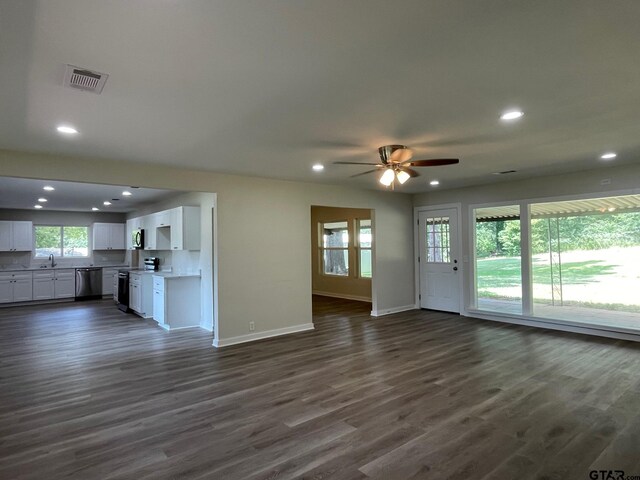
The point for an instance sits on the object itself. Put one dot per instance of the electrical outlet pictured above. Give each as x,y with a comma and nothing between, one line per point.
252,326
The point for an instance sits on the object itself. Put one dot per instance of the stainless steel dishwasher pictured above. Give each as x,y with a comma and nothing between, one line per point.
88,283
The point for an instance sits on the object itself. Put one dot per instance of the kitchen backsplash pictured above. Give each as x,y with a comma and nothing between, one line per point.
24,260
182,261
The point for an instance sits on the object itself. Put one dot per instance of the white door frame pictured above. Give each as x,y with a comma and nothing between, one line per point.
416,249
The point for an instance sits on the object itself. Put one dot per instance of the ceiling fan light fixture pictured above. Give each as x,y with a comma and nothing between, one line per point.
387,177
402,176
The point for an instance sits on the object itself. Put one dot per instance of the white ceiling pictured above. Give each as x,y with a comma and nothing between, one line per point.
24,193
269,87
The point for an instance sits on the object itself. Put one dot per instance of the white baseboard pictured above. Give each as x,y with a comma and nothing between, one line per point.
207,327
551,325
340,295
252,337
389,311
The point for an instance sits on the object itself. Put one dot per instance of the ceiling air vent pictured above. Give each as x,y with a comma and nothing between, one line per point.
84,79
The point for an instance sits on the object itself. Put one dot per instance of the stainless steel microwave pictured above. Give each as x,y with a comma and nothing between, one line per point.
137,238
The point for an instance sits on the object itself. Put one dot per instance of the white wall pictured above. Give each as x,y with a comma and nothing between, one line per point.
263,239
616,179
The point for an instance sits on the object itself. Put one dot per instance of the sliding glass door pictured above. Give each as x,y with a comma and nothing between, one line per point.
586,261
498,260
581,260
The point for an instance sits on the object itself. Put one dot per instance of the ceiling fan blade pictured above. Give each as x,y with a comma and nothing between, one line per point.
355,163
412,173
434,162
364,173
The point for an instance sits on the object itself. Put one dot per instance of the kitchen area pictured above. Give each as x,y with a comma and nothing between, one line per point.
144,255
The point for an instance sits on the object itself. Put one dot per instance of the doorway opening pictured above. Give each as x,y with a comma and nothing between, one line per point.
342,253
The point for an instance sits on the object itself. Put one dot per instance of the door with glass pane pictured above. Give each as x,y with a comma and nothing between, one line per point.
438,259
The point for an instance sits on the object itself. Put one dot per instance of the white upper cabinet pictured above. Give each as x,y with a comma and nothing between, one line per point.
163,219
150,224
22,236
185,228
108,236
116,236
174,229
16,236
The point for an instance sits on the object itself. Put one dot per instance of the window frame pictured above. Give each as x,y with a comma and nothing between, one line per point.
324,249
525,262
443,248
359,248
61,228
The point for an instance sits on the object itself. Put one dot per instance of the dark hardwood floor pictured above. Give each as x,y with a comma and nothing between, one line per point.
90,393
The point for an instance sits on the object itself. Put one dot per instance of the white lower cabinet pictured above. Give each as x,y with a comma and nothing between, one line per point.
176,301
141,294
107,280
65,283
16,287
115,286
43,286
158,306
54,284
6,290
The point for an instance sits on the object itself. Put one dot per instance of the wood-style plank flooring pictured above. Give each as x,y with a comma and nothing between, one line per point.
87,392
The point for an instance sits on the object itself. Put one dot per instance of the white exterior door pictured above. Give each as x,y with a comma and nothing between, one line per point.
439,260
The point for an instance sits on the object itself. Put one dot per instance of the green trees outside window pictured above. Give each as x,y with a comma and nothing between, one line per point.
61,241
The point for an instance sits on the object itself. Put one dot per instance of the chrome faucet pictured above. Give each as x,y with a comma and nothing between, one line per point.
51,257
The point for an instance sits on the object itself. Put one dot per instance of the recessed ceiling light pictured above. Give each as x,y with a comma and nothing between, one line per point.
318,167
67,130
608,156
512,115
95,209
37,206
126,193
48,188
434,183
106,203
42,200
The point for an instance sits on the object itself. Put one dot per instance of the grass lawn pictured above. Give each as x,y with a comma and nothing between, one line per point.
605,279
505,272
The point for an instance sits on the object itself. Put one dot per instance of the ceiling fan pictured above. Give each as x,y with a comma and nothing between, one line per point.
396,162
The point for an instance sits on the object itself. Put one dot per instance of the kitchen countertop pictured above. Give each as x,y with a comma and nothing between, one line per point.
170,275
17,268
162,274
